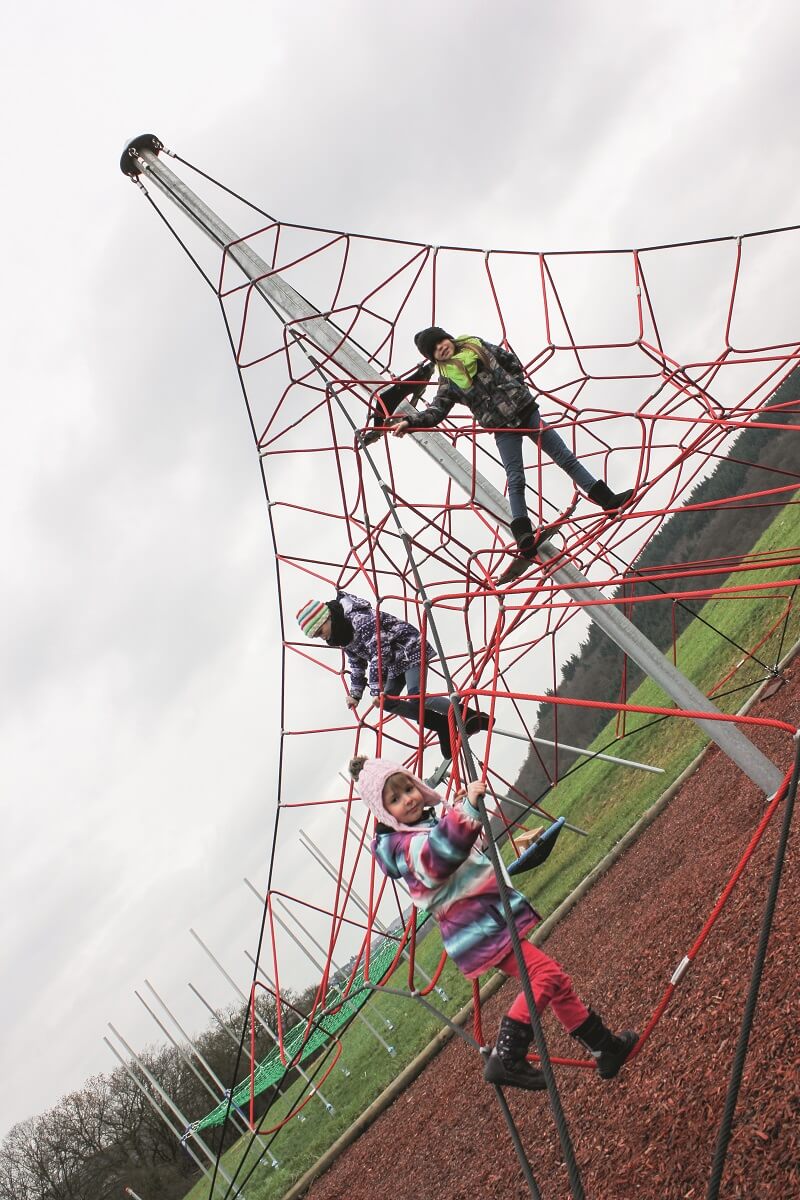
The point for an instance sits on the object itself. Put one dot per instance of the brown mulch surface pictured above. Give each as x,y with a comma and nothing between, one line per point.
651,1132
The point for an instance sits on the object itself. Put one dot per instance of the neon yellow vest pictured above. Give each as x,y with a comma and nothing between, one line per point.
461,368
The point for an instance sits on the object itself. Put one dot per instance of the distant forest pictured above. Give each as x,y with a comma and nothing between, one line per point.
97,1141
759,459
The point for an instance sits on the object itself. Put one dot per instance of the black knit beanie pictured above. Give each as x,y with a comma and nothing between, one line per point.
427,340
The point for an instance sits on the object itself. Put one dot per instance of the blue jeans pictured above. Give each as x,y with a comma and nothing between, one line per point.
434,715
509,446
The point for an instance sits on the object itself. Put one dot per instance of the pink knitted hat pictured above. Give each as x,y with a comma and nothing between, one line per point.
370,784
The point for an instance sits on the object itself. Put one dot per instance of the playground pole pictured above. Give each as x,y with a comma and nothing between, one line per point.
200,1078
313,960
273,1160
141,160
172,1107
158,1111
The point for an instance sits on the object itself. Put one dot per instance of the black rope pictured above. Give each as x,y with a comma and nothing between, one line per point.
724,1133
576,1186
456,710
247,203
176,235
637,575
555,1102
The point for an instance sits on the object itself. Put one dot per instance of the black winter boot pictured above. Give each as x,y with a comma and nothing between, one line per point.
440,773
524,536
507,1065
609,1049
476,721
601,494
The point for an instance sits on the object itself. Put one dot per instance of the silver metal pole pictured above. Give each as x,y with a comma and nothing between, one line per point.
158,1111
540,741
142,157
130,1192
389,1049
329,868
174,1109
323,952
235,1040
312,1086
201,1079
213,1075
224,1093
291,307
307,933
220,1021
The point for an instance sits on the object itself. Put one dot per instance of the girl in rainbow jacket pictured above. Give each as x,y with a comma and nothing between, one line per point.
442,863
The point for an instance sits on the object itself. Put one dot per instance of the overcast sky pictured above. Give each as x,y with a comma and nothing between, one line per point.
138,730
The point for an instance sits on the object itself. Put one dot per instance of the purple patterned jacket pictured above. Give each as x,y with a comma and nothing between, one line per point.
400,646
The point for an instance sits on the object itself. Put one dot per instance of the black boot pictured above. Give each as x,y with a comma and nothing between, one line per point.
476,721
524,536
609,1049
507,1065
601,494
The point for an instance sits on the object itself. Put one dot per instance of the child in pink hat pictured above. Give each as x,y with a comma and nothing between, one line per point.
442,863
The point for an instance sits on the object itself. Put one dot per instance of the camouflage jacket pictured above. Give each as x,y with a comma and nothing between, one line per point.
498,398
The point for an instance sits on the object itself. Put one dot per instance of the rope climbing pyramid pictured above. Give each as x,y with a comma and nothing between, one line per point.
649,388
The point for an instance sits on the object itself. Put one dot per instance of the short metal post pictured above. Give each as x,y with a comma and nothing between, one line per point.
173,1108
273,1160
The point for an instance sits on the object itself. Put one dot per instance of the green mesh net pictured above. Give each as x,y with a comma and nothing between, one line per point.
271,1069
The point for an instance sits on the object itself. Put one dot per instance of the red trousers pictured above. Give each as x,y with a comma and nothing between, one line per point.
550,985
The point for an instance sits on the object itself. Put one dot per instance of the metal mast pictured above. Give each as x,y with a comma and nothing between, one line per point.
141,159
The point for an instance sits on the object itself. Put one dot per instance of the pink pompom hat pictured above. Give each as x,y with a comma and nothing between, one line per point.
372,780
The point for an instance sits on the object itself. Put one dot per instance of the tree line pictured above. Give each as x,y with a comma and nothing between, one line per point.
107,1136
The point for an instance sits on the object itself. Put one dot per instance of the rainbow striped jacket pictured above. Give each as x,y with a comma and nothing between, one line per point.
449,875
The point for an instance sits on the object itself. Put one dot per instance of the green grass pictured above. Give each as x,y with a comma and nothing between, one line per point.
605,800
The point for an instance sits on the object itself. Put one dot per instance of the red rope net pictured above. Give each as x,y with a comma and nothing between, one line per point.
650,364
